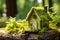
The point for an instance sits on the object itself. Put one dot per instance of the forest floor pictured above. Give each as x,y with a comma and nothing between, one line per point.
49,35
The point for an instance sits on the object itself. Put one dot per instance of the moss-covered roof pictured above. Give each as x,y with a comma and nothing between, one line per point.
39,11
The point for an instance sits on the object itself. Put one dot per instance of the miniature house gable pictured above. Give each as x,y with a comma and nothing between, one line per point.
37,19
33,19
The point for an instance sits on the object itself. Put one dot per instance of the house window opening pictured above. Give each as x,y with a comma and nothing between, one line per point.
34,16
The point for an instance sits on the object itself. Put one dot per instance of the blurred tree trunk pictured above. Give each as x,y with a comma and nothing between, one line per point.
50,5
11,8
43,2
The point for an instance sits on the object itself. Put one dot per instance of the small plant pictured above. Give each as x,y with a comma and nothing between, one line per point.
16,26
55,22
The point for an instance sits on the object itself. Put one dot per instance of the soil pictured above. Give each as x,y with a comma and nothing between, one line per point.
49,35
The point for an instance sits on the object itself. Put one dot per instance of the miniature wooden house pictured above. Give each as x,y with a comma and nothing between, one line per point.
37,19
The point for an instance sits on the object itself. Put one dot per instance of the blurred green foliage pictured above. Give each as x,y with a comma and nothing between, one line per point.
3,22
2,6
24,6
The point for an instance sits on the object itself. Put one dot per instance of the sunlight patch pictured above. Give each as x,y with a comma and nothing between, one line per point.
39,1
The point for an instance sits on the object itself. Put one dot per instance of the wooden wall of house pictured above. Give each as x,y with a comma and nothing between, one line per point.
33,20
